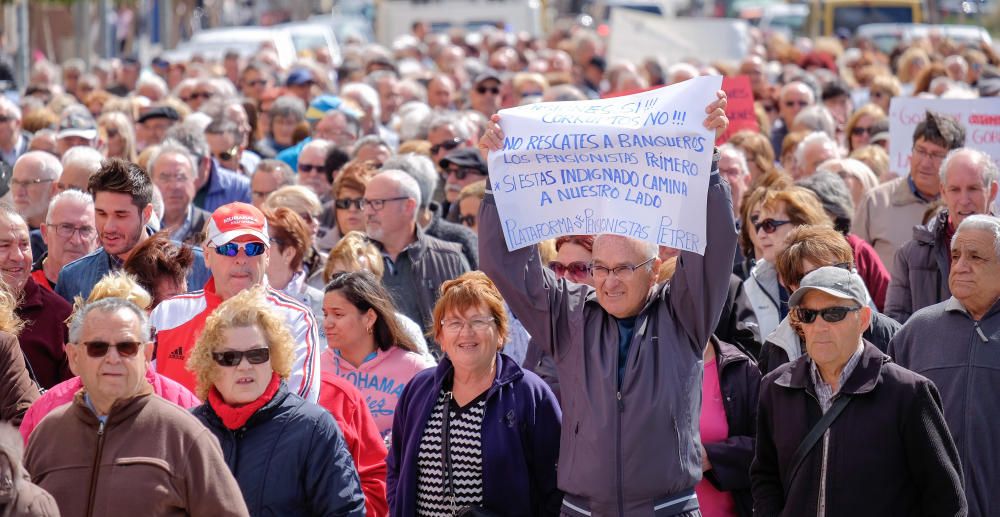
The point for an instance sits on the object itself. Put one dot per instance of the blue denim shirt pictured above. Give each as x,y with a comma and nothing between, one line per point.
80,276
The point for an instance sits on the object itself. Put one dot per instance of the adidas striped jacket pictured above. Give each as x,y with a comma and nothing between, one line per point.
178,322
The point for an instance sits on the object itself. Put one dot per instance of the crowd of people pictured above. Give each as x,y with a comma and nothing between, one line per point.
230,288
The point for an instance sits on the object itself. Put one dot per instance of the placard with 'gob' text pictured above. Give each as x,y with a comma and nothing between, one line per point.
636,166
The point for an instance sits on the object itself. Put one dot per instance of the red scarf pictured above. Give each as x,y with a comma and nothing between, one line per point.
234,417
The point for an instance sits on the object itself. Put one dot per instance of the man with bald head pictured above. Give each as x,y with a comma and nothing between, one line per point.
78,165
441,93
793,97
416,264
32,185
753,67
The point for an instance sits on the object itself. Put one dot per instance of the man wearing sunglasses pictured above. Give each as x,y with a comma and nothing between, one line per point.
484,96
792,98
460,167
861,397
215,186
238,250
96,436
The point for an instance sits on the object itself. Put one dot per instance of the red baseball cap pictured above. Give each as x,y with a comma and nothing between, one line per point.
234,220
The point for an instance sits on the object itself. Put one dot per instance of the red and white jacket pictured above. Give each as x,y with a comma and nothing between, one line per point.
178,322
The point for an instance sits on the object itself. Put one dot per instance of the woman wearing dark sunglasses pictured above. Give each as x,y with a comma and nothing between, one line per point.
288,455
773,214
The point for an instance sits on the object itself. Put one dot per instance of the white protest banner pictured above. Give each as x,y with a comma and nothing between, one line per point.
636,35
636,166
979,117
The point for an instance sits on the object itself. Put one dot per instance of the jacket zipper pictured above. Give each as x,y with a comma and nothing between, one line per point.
968,389
821,504
95,470
618,462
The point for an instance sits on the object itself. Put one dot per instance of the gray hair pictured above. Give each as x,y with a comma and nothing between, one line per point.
11,215
191,136
108,305
815,138
366,95
324,147
982,162
49,166
82,156
153,81
408,187
421,169
441,119
817,118
9,107
366,141
70,195
172,147
286,176
985,223
741,158
288,106
849,167
648,249
221,126
834,195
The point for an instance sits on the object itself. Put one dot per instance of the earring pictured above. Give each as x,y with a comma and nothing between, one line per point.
369,330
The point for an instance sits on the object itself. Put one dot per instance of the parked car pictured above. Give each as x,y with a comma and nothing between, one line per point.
214,43
886,36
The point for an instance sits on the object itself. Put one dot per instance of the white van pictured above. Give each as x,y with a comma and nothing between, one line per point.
214,43
308,36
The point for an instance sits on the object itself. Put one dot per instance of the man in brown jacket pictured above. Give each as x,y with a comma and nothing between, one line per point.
117,449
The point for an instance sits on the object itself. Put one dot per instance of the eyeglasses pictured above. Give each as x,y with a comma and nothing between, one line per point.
6,118
623,272
28,183
829,314
256,82
484,89
917,151
455,326
308,167
229,154
345,203
467,220
379,204
447,146
100,348
858,131
172,178
66,230
770,108
879,94
202,95
792,104
461,174
769,225
231,249
577,269
231,358
111,133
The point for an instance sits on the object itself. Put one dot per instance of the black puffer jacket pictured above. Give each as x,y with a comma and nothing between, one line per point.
289,459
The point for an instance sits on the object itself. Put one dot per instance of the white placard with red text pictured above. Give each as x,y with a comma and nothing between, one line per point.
979,117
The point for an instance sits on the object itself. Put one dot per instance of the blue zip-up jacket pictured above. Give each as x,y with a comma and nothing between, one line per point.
80,276
289,459
520,440
224,187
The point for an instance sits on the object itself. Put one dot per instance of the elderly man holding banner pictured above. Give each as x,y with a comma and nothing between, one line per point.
628,352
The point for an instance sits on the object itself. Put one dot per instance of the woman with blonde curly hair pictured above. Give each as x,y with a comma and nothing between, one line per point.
287,454
113,285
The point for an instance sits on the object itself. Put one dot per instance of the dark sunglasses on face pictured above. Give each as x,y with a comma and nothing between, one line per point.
792,104
231,249
345,203
306,167
829,314
229,154
232,358
468,220
490,89
770,108
5,118
447,146
100,348
769,225
460,174
111,133
256,82
573,269
858,131
203,95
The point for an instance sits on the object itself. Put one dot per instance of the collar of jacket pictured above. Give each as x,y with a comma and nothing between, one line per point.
934,231
726,353
121,410
31,295
507,372
954,305
416,248
865,377
901,193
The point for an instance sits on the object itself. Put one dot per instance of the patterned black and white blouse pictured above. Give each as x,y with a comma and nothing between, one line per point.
465,437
